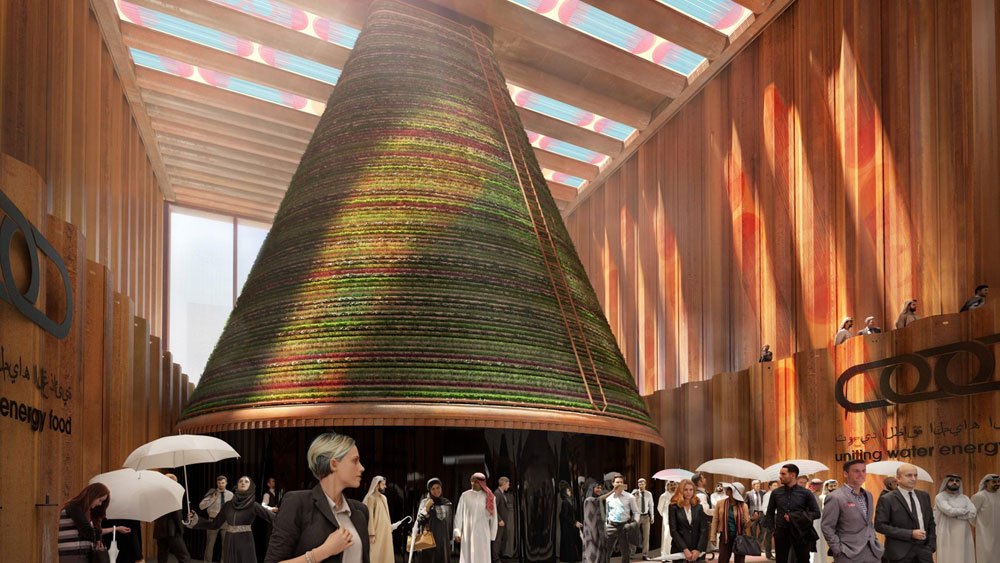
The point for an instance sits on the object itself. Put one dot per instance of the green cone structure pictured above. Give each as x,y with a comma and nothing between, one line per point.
418,270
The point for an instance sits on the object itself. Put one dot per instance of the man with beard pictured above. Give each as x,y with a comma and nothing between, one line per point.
987,504
790,513
953,515
977,300
908,314
476,521
380,526
663,507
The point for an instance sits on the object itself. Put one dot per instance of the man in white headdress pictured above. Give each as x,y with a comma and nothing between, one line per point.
663,507
987,505
476,522
953,515
379,525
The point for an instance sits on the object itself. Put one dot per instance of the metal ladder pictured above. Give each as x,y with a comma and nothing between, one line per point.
560,287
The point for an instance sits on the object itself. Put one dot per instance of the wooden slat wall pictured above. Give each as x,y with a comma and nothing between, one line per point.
63,112
787,409
845,162
73,161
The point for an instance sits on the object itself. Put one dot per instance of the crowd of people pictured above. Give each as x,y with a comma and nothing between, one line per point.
794,519
906,316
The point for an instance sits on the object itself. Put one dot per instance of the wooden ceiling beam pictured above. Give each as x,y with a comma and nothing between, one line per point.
348,12
106,13
552,127
172,141
755,6
200,122
235,143
253,193
160,100
567,165
225,204
556,88
171,153
223,99
237,176
153,41
562,192
585,49
239,24
668,23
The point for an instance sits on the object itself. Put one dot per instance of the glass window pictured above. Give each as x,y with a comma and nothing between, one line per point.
210,258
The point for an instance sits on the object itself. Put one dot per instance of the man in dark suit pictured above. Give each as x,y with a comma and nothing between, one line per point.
905,517
504,520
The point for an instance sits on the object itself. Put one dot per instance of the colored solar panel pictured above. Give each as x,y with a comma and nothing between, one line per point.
723,15
565,149
296,19
570,114
562,178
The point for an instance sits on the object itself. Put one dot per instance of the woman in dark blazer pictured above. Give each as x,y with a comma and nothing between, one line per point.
322,525
688,523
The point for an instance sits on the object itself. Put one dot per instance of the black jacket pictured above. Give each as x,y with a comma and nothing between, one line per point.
688,535
786,500
894,519
169,525
304,522
503,506
129,545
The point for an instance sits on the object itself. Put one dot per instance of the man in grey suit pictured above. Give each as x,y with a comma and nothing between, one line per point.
847,519
905,517
503,518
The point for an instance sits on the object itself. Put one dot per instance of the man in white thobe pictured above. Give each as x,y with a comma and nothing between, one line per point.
663,507
987,505
953,515
476,522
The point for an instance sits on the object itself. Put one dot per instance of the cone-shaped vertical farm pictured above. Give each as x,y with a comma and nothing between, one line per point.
418,270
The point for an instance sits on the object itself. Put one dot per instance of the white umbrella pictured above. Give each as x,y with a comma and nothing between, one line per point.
675,475
180,450
140,495
732,466
806,467
889,468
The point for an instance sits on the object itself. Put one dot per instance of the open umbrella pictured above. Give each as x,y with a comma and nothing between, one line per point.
890,467
806,467
676,475
732,466
179,450
140,495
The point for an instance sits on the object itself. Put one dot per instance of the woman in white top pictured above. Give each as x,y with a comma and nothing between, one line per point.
321,525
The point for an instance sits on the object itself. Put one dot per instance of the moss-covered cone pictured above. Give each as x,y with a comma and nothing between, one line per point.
402,265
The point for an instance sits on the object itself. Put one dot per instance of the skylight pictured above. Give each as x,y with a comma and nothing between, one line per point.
565,149
296,19
723,15
596,23
227,43
225,82
559,177
570,114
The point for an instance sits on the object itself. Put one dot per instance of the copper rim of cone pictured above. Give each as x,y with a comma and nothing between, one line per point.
450,416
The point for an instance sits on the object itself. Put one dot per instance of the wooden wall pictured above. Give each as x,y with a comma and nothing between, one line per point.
72,160
845,162
787,409
64,113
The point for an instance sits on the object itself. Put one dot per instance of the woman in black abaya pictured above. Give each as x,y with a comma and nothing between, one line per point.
436,513
239,513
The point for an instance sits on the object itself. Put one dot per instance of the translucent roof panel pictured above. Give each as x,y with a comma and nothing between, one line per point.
602,25
723,15
566,149
561,178
224,42
296,19
570,114
226,82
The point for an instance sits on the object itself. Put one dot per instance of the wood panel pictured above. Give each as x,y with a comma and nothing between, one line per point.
844,162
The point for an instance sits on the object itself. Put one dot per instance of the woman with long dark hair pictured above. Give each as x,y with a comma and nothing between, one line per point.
239,513
570,544
436,513
80,523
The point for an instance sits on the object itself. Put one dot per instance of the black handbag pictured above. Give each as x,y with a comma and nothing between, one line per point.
99,554
745,545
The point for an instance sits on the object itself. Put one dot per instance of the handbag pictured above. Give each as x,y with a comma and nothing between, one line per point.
745,545
421,541
99,554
